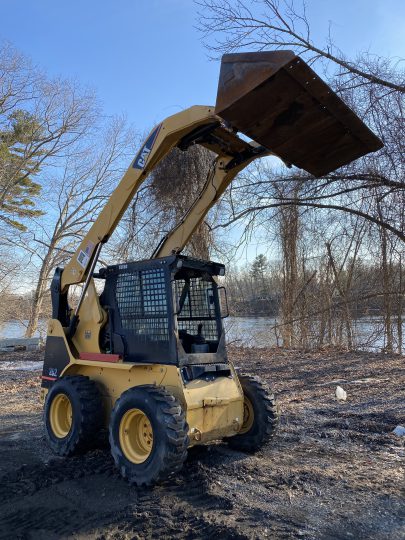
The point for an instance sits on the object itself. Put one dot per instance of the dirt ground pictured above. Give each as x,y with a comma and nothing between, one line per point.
334,470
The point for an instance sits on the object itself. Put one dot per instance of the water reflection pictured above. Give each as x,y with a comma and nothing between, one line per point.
245,331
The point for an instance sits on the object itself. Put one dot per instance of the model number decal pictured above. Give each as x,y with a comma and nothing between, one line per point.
83,259
84,256
143,154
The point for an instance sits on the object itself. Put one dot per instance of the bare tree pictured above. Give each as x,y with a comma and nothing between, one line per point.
373,86
289,225
163,201
39,120
74,200
371,189
231,25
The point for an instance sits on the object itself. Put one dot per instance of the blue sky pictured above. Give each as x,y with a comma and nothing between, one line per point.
145,58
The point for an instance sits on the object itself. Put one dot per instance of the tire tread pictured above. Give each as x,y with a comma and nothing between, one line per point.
176,434
90,419
269,413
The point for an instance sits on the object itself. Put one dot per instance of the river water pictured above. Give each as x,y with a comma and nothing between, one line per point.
368,332
244,331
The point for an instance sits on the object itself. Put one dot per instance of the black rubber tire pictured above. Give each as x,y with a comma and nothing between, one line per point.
266,416
87,415
170,434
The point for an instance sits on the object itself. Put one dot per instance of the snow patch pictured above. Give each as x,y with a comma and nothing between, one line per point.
20,365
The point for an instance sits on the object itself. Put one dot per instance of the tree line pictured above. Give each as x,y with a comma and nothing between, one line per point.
60,157
338,239
332,247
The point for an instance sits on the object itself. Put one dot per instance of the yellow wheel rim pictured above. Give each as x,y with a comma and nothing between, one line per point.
60,416
248,416
136,436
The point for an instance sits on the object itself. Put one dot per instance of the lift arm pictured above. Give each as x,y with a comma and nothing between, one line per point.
273,97
157,145
196,125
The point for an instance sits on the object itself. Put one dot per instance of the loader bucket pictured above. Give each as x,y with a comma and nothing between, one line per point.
277,100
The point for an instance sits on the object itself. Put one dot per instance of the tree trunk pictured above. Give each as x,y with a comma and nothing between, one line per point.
39,294
289,242
400,307
386,278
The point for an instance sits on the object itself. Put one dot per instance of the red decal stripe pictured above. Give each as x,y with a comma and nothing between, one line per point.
48,378
100,357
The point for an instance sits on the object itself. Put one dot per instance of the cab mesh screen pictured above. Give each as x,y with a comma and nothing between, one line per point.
142,303
198,308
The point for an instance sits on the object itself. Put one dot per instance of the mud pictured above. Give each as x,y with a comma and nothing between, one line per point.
333,471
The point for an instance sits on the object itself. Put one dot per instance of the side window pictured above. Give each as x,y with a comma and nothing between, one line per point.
142,304
154,292
195,298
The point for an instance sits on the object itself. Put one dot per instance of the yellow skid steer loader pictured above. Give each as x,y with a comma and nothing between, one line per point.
146,358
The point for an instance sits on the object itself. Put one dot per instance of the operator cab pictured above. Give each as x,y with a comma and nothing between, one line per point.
165,311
